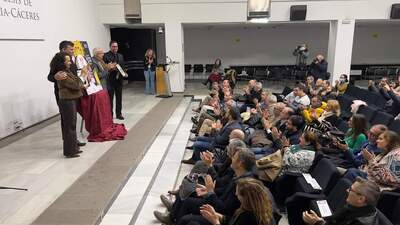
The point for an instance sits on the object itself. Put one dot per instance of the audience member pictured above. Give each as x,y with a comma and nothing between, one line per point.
255,206
297,98
383,168
356,157
341,84
315,110
221,139
319,67
355,136
361,201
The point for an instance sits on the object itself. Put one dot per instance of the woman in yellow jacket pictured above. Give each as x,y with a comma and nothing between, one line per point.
314,111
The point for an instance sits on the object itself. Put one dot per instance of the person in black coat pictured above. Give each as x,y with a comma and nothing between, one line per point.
220,140
227,203
115,78
319,68
255,206
359,209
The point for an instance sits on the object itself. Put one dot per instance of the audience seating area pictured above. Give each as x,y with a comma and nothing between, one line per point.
300,162
279,72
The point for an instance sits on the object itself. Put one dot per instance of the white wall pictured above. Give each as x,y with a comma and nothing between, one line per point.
373,44
376,44
257,46
26,95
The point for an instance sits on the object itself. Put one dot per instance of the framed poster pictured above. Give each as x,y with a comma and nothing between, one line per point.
83,60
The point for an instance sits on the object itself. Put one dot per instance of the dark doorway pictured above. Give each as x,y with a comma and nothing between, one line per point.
133,44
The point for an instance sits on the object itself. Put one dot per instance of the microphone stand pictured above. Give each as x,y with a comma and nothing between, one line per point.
13,188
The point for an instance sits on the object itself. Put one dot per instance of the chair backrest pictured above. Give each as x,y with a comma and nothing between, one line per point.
380,102
395,126
337,196
396,213
382,118
209,68
343,126
286,90
326,174
198,68
188,67
352,90
383,220
367,111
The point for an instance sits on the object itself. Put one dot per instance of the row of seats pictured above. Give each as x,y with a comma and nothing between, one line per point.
373,112
198,68
334,191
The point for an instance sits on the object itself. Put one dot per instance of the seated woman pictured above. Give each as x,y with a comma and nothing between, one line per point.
216,74
341,84
383,168
331,114
299,158
355,136
296,159
256,207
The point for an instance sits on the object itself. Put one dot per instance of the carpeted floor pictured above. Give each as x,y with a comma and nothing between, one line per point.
86,201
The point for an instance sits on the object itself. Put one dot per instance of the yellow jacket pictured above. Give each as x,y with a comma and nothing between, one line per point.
308,112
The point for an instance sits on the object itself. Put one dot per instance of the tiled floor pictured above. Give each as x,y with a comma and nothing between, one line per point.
36,163
134,194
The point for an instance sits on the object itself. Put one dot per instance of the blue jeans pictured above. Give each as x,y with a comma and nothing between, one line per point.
352,173
149,77
200,145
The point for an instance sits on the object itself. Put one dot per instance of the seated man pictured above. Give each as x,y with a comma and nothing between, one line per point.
357,158
289,136
252,95
360,206
221,139
297,97
314,111
242,163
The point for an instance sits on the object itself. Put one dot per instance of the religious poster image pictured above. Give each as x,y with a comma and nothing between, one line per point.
83,61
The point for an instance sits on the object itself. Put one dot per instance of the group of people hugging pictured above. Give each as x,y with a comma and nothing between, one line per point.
236,136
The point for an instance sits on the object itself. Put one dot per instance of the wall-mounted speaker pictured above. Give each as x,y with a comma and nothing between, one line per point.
395,12
298,12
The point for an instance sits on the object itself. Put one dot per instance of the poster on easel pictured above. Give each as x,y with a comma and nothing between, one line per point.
83,60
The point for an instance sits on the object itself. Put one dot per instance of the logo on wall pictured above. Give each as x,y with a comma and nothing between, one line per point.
21,19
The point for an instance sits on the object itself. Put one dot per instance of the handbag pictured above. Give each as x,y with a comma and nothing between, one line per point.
269,167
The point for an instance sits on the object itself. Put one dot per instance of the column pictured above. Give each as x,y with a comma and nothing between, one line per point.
174,50
340,47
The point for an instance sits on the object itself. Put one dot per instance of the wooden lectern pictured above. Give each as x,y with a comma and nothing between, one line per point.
163,88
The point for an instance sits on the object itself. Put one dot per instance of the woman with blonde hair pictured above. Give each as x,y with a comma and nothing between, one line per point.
331,113
255,208
149,71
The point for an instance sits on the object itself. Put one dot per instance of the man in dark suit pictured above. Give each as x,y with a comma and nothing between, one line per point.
319,68
115,78
68,48
221,139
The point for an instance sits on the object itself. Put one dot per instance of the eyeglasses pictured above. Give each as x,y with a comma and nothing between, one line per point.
350,189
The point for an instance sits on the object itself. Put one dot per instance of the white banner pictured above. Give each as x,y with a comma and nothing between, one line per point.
21,19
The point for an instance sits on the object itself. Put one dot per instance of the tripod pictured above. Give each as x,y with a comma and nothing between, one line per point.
13,188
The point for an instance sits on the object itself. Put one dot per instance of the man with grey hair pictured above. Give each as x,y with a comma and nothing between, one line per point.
360,208
225,201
